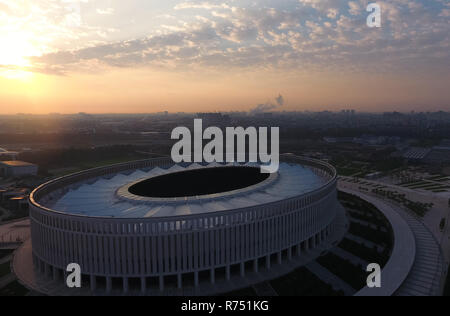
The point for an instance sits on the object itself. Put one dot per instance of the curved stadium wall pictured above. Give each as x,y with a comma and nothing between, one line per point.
151,250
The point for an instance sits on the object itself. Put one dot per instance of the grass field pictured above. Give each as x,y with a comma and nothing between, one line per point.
5,269
5,253
14,289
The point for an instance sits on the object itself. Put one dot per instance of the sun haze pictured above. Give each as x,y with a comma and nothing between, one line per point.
116,56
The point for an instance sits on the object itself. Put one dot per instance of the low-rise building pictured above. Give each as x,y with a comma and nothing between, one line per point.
17,169
8,155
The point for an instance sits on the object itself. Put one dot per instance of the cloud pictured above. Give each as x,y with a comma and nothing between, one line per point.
294,34
107,11
201,5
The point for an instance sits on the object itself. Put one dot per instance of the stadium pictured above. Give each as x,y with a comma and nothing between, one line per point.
154,227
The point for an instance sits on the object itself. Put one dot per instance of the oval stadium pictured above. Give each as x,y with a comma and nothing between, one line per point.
162,228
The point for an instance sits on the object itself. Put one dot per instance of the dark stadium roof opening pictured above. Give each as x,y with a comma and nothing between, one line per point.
199,182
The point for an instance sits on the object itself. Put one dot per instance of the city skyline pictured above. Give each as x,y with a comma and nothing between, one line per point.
201,56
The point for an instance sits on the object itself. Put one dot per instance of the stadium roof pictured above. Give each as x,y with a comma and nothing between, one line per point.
98,197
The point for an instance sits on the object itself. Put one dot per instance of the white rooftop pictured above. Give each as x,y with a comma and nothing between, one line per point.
98,198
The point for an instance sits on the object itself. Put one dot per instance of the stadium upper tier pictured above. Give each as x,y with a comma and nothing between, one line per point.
110,196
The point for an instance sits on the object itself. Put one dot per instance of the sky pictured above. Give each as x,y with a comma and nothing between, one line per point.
115,56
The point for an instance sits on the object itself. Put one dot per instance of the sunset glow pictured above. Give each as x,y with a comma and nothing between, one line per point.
107,56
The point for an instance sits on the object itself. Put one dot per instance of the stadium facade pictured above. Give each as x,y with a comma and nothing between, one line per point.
126,236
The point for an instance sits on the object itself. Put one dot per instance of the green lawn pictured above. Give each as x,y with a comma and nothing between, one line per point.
14,289
5,269
344,269
4,253
302,282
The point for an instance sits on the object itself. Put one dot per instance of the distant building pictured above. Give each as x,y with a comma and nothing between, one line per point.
439,154
369,140
17,169
445,144
338,140
14,198
374,176
214,119
416,153
7,155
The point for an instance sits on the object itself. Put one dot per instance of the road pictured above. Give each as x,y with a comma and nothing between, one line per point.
432,219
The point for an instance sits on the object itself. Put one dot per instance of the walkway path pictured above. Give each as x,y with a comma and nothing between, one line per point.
425,274
432,219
